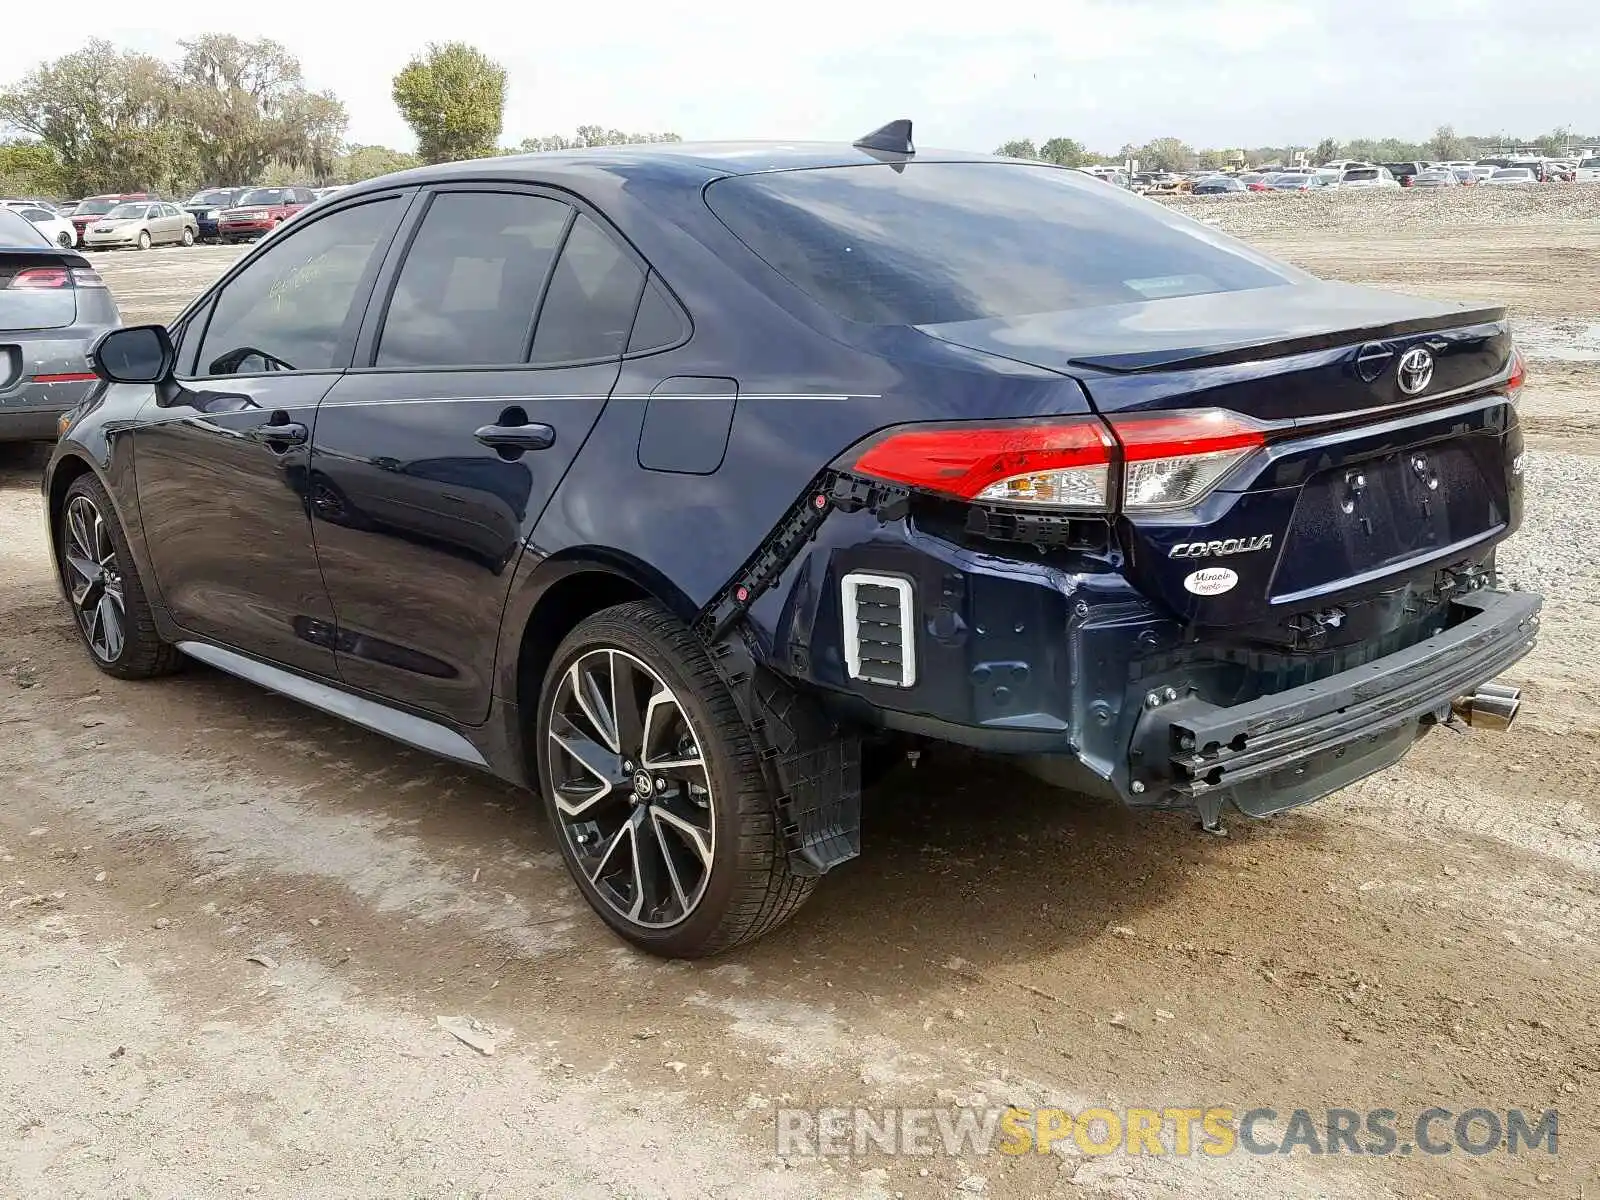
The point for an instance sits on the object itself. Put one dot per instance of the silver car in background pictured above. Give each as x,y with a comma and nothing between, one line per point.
141,224
52,307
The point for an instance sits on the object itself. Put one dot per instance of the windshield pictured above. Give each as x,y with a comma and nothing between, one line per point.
265,196
123,211
212,197
1589,164
929,243
94,208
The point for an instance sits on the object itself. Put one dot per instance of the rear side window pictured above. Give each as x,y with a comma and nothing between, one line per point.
940,242
593,295
292,307
660,322
471,281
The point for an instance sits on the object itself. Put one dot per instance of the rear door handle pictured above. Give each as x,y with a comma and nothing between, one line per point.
517,437
290,433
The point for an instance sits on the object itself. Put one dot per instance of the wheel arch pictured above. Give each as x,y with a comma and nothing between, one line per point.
67,469
548,600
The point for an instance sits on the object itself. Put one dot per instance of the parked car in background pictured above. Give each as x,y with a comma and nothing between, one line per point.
1296,183
52,306
30,202
91,208
1436,177
1512,177
1588,171
1368,177
1405,172
140,224
54,227
207,207
67,207
260,211
1219,185
322,193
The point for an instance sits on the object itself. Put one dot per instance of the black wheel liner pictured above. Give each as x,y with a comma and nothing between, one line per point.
812,761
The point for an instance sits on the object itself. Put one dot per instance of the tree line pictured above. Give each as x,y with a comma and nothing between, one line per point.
231,112
1174,154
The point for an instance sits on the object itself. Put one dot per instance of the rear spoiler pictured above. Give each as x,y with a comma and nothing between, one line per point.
1253,351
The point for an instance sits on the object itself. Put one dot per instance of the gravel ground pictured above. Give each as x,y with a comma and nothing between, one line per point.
231,926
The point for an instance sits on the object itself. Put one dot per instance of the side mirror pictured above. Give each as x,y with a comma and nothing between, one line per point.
134,354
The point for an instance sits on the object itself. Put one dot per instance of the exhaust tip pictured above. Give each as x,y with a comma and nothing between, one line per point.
1492,706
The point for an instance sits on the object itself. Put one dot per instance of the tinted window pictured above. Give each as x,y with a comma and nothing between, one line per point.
1589,164
471,280
264,196
594,292
14,231
1360,175
212,198
36,214
288,309
939,242
659,323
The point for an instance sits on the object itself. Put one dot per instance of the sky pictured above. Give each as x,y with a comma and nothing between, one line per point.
1215,73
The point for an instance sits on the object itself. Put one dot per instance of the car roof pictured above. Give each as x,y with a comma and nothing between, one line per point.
689,163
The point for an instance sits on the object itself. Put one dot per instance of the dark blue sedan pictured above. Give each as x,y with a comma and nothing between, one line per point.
208,206
679,482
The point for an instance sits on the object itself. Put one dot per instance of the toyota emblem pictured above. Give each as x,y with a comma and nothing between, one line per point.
1416,370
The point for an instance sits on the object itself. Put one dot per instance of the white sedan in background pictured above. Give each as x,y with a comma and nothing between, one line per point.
1588,171
54,226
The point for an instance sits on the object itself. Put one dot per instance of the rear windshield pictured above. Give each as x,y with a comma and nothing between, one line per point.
1513,173
1367,174
935,242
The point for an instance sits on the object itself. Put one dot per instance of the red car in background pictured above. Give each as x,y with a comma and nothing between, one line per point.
260,211
91,208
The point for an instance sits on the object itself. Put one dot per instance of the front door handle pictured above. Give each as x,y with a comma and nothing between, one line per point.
290,433
517,438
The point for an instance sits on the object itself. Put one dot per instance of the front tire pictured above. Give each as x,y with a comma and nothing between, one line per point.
144,239
108,598
188,236
655,788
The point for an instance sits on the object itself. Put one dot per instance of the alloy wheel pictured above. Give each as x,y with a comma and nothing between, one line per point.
631,788
95,579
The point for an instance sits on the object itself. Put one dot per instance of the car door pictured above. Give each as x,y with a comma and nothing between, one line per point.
434,458
221,462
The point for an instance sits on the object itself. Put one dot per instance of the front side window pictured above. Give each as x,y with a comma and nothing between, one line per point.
471,281
594,293
931,243
289,309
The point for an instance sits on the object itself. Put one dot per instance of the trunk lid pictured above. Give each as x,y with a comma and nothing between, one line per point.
25,308
1372,476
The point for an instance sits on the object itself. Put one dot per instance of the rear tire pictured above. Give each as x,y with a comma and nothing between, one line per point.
64,240
655,789
103,586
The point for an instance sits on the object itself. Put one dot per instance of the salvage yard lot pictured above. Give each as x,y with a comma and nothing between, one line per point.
230,924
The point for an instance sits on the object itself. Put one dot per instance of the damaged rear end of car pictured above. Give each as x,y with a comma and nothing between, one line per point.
1240,552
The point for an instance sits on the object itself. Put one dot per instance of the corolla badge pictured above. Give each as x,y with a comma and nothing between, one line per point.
1211,581
1244,545
1416,370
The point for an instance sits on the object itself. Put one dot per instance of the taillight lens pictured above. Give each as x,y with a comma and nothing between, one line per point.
1169,460
1061,464
39,278
1172,460
87,277
1518,377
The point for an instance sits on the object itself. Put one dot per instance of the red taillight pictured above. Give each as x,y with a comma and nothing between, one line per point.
1169,460
1517,378
1175,459
1061,464
41,277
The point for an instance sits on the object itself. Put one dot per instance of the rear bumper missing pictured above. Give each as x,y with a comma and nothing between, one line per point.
1291,747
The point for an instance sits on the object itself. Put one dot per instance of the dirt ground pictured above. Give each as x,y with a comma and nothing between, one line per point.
229,925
